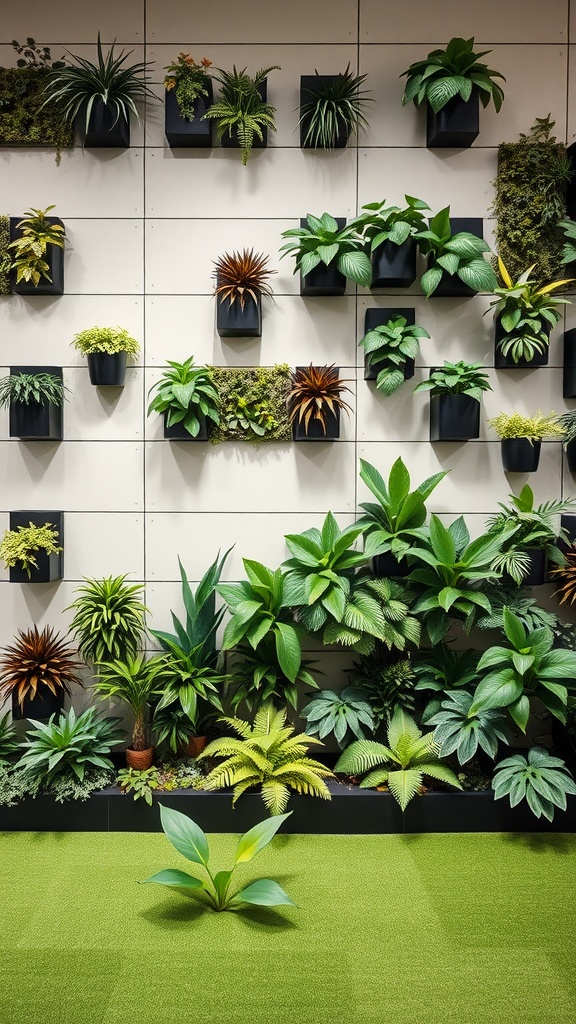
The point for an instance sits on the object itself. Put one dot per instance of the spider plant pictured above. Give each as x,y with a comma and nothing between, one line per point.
334,110
109,619
36,663
240,109
29,388
77,87
315,393
455,71
242,275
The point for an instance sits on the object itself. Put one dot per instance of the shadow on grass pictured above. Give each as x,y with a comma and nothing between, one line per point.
190,908
542,842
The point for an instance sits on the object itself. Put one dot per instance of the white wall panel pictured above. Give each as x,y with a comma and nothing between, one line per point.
103,413
324,21
519,21
104,257
70,22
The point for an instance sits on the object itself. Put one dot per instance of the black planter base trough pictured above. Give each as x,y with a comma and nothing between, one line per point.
351,811
456,126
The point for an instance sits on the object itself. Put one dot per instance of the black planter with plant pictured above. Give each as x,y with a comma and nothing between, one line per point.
242,113
187,398
38,243
315,401
35,395
520,455
530,537
525,314
455,393
24,120
569,371
327,251
521,438
106,350
454,248
37,671
331,109
374,317
504,361
105,129
189,94
33,547
390,235
456,125
390,342
107,370
241,281
178,432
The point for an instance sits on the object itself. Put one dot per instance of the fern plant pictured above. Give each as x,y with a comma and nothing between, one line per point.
269,756
240,109
387,683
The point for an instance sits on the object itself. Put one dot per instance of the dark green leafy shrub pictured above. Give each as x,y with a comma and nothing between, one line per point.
387,684
24,121
540,779
339,714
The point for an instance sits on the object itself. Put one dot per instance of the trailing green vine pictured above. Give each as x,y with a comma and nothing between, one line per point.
530,200
252,404
5,255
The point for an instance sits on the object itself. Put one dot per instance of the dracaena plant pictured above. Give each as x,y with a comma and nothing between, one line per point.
533,428
322,241
334,110
381,223
37,233
240,110
20,547
401,764
341,715
185,394
189,81
241,276
454,71
397,519
457,379
460,731
109,619
315,394
541,779
461,254
190,841
30,388
529,667
388,347
527,312
534,527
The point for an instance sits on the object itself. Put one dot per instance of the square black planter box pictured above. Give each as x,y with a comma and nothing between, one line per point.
107,369
456,125
454,418
36,422
451,286
234,322
231,141
55,260
177,432
519,455
102,132
323,280
568,523
42,705
374,318
308,93
505,362
394,266
182,133
569,373
315,432
50,567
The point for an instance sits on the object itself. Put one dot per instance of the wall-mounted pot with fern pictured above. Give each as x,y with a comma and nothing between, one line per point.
391,343
527,550
32,548
389,233
186,396
189,94
525,314
34,396
37,242
241,281
331,109
242,113
327,251
455,394
315,401
521,438
107,349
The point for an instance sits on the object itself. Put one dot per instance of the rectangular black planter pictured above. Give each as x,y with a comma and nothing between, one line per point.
184,134
571,186
102,132
375,317
454,418
50,567
308,93
234,322
36,422
231,141
315,432
451,286
505,362
54,259
323,280
177,432
569,372
394,266
456,125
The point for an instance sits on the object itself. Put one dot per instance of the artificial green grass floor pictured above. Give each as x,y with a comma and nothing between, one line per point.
424,929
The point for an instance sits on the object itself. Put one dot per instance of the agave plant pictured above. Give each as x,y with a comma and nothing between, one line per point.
540,779
109,619
402,764
269,756
315,394
240,109
37,662
241,276
335,109
69,745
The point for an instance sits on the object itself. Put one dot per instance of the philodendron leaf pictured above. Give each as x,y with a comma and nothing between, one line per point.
258,837
171,876
264,893
185,835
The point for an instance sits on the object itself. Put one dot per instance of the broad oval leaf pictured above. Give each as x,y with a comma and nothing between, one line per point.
264,893
258,837
185,835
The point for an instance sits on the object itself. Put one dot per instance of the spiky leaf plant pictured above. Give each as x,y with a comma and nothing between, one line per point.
109,619
9,742
527,312
335,109
540,779
402,764
240,109
37,662
27,388
387,683
315,393
69,746
269,756
565,578
242,275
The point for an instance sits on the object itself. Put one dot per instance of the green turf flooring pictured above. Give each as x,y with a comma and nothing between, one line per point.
431,929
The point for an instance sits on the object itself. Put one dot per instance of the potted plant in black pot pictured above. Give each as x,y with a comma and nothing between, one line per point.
327,251
533,543
38,243
241,281
242,113
390,348
37,672
107,349
315,401
525,314
455,254
35,397
389,233
455,394
452,83
32,547
186,396
189,93
567,421
331,108
521,438
100,97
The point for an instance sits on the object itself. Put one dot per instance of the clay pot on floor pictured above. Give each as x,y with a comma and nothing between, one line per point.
195,745
140,759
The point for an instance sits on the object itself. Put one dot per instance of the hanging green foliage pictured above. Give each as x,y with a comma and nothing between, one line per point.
5,255
252,404
24,121
530,200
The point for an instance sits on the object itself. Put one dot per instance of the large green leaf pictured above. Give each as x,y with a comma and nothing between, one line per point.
497,690
264,893
258,837
356,266
288,650
185,835
171,876
442,542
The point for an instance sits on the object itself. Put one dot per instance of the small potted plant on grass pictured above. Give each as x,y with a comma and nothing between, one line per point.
38,242
452,82
456,264
34,396
389,351
241,112
241,281
187,397
525,314
534,540
107,349
100,97
188,95
327,251
521,438
389,232
37,672
315,401
455,393
331,108
32,547
133,682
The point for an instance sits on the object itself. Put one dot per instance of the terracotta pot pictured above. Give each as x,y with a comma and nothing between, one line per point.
140,759
195,745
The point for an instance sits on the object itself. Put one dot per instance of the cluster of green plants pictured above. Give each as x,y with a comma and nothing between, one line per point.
24,120
5,257
20,547
188,79
105,339
252,403
28,388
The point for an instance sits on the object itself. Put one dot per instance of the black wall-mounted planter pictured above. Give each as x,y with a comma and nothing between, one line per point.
308,93
538,570
50,567
36,422
451,286
103,131
44,704
107,369
570,450
519,455
506,362
568,523
234,322
571,186
454,418
394,266
184,134
177,432
315,431
375,317
55,260
457,125
323,280
388,565
231,141
569,372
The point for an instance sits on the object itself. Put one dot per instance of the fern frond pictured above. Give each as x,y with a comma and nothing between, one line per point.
275,796
362,755
404,785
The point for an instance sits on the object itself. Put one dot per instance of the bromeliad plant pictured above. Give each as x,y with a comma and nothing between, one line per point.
455,71
37,233
189,840
109,619
339,714
185,394
461,254
388,346
322,241
540,779
68,746
240,110
19,547
534,527
189,81
398,518
31,388
315,394
402,764
37,663
241,276
335,109
457,379
527,313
